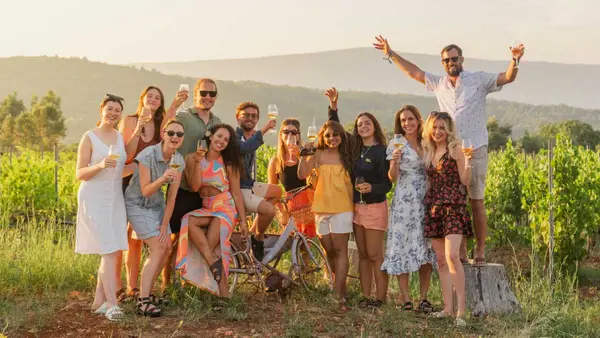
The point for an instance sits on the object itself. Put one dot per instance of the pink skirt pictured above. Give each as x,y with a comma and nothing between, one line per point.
372,216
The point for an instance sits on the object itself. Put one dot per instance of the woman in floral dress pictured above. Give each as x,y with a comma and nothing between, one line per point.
407,250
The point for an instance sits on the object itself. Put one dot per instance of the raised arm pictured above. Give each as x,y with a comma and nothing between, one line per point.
332,113
464,165
193,171
179,99
513,67
407,67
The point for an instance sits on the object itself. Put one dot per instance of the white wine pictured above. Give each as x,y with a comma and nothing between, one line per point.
311,138
114,156
202,152
175,166
398,145
272,115
468,151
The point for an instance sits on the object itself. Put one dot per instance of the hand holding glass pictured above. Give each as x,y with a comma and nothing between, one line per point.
272,113
291,141
359,182
467,147
202,147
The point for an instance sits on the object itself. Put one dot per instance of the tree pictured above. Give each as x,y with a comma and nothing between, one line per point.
498,134
48,120
25,131
7,128
531,143
12,106
580,133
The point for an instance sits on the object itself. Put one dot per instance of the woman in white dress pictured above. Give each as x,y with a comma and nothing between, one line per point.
101,219
407,249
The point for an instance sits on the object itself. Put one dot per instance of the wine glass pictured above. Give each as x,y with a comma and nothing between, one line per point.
290,141
202,147
312,133
272,113
186,88
113,152
359,181
174,163
467,146
399,141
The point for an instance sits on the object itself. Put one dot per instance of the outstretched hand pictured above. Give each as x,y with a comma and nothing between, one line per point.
517,51
382,44
332,95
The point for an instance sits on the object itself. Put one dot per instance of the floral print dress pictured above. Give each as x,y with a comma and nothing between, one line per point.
406,248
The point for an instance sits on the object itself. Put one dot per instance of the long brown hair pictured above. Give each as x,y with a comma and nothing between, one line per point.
231,153
378,134
158,115
110,98
345,147
281,146
398,122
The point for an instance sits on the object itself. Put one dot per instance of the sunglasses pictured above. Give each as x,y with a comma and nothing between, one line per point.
287,132
454,59
113,97
212,93
439,114
172,133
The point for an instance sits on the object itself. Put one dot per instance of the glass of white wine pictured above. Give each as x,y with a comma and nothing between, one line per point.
357,185
467,147
113,152
312,133
290,141
202,147
272,113
186,88
399,141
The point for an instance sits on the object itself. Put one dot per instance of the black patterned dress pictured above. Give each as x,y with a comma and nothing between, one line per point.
446,201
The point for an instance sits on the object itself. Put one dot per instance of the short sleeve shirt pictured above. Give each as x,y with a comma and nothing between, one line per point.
152,157
465,102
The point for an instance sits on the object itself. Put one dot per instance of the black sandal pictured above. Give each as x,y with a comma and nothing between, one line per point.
425,306
217,269
375,304
149,309
160,300
408,306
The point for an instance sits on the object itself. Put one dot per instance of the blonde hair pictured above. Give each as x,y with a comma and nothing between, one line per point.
281,146
429,144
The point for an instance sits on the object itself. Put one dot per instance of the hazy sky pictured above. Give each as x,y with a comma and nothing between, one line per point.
123,31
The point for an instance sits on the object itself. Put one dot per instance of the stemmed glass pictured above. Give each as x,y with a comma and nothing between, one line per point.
202,147
272,113
399,141
467,146
290,141
359,182
186,88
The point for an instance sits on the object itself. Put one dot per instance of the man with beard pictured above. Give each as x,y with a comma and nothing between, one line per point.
462,94
258,197
196,121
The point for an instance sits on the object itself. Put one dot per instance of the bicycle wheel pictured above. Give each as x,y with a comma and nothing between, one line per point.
233,275
313,273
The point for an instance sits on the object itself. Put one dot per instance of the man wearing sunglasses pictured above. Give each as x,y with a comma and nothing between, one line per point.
258,197
196,120
463,94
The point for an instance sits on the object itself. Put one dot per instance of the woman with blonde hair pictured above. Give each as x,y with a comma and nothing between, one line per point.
283,168
447,219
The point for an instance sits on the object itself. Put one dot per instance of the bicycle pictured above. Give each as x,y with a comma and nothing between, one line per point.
265,274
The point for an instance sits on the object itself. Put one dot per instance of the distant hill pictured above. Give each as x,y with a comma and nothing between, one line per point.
363,69
82,84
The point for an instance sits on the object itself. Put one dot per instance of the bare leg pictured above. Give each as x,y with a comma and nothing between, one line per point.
425,279
198,237
169,265
365,272
481,226
375,251
403,283
151,267
340,246
327,244
108,264
133,257
266,213
445,281
99,298
118,269
457,273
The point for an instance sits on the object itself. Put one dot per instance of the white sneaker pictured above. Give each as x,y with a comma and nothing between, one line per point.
102,309
460,322
115,313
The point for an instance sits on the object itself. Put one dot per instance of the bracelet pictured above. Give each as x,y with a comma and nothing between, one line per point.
389,56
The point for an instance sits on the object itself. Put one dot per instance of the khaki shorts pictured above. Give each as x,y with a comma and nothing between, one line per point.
253,197
479,161
334,223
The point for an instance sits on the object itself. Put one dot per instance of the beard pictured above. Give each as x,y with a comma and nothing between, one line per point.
454,71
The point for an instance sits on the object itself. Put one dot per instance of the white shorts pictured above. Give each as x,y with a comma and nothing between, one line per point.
334,223
253,197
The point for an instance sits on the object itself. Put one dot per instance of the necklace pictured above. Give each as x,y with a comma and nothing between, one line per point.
362,154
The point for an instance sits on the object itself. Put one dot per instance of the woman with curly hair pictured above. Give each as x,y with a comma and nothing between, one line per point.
216,177
333,208
447,219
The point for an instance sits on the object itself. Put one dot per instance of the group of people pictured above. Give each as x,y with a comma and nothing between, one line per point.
180,181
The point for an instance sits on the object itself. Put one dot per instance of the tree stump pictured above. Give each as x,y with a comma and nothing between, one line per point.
488,291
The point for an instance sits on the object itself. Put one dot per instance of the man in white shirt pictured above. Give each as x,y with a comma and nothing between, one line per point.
462,94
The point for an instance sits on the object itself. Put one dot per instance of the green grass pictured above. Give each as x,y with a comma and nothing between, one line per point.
39,269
